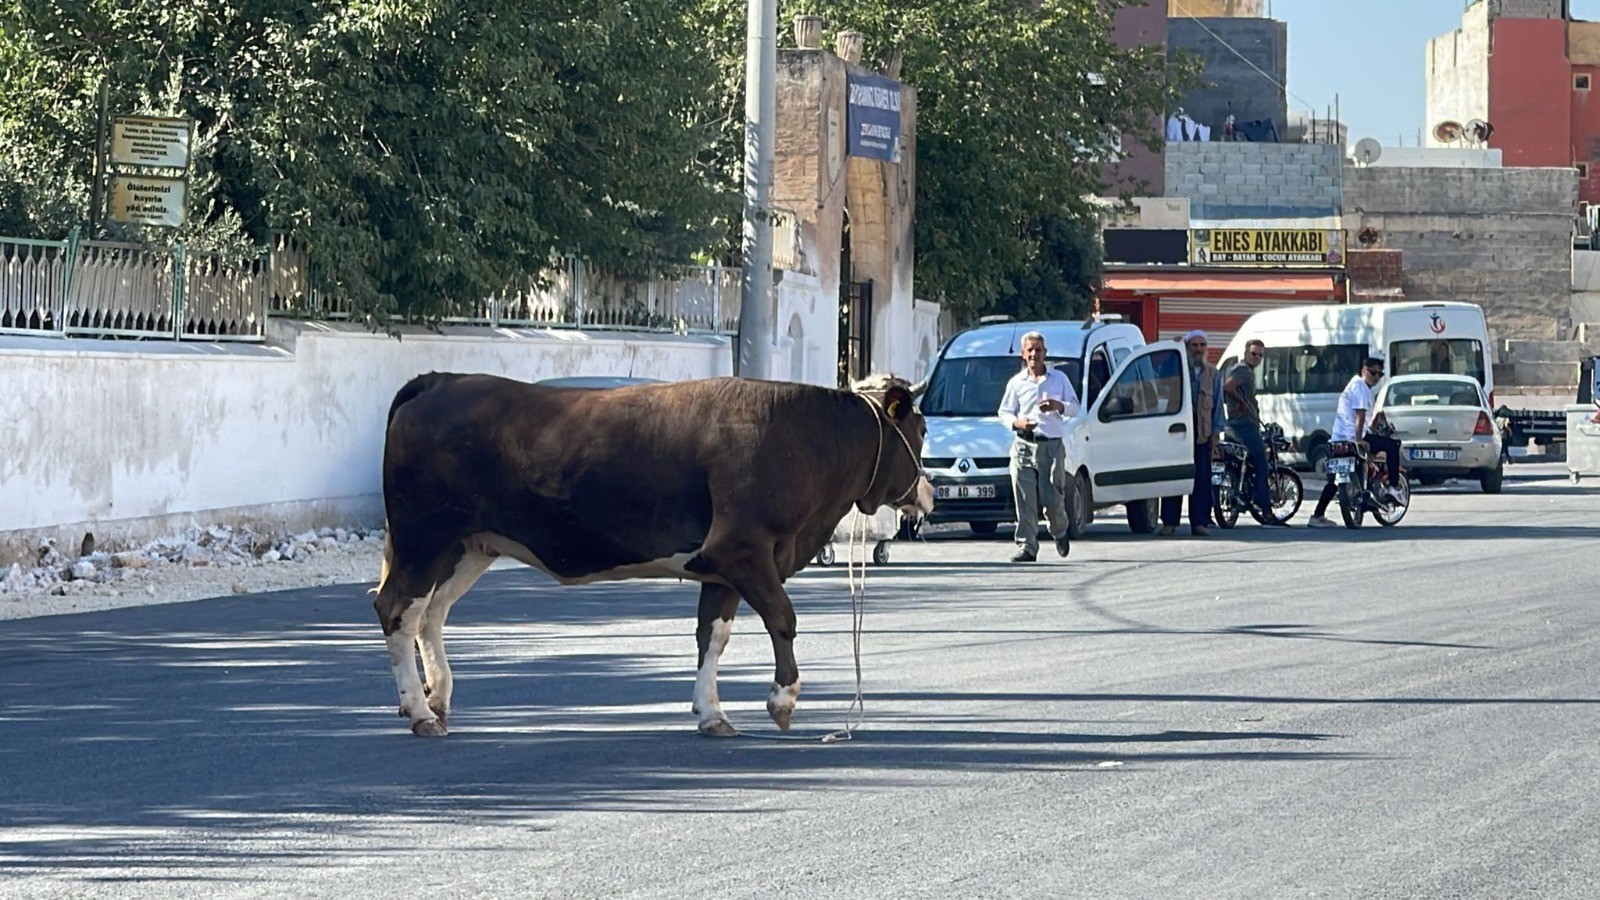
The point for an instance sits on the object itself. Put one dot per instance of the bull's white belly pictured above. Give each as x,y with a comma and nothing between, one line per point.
668,567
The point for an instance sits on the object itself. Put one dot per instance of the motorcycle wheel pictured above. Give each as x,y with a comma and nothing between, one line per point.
1352,508
1390,516
1225,501
1286,491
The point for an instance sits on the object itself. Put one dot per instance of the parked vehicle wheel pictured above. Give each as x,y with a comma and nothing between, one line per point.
826,557
983,529
1144,516
1225,503
1286,491
1351,507
1079,506
880,553
1493,479
1318,458
1391,517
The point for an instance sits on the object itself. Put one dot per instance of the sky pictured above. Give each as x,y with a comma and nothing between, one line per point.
1370,53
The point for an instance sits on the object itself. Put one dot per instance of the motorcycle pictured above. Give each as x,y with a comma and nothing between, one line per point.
1230,480
1361,478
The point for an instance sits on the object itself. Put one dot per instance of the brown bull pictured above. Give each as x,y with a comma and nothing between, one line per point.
733,483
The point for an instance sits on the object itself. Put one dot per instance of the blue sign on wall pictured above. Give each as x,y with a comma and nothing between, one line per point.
872,117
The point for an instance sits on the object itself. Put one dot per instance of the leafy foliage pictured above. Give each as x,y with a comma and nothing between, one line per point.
1017,101
434,152
430,153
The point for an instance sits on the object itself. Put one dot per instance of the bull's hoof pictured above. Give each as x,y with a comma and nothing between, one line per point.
428,728
440,711
718,728
780,714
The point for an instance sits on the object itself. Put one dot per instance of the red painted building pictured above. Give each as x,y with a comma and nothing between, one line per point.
1532,73
1140,24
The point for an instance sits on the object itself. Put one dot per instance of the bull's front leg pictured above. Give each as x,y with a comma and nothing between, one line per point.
718,605
763,590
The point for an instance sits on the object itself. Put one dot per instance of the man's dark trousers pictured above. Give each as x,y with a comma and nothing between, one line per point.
1199,494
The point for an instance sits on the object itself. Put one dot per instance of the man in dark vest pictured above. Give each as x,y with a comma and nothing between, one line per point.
1205,383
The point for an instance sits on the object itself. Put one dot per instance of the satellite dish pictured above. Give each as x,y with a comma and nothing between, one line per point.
1368,150
1478,131
1447,131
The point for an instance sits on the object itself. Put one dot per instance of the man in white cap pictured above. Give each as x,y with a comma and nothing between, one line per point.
1205,384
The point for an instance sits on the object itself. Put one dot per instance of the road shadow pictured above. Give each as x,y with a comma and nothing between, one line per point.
171,740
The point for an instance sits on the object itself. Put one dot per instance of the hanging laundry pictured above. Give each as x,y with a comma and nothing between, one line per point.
1174,128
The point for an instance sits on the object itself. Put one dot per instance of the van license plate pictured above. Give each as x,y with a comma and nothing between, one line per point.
1445,455
963,491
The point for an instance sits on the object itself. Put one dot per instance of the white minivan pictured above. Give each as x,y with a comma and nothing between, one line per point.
1135,405
1314,351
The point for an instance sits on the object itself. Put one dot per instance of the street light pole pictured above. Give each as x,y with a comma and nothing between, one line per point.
760,102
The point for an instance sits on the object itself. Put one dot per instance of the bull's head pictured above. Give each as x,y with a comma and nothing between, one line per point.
900,481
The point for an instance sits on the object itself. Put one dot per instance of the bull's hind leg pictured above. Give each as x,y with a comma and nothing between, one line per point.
440,685
718,604
404,595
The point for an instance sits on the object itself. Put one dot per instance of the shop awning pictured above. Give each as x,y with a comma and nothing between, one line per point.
1219,283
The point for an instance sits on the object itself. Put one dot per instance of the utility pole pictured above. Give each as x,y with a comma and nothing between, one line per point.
760,102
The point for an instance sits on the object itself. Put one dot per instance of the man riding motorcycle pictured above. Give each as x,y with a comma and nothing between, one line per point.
1351,423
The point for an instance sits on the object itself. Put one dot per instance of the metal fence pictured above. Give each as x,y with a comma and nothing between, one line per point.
107,289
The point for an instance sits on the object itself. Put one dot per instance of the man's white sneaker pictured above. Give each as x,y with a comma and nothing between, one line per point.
1320,522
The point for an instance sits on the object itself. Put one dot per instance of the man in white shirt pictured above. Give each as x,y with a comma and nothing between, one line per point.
1037,402
1351,422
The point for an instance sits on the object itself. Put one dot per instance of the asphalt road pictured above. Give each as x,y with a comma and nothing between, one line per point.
1286,713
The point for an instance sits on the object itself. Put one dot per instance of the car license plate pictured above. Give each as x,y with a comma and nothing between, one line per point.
1445,455
963,491
1340,465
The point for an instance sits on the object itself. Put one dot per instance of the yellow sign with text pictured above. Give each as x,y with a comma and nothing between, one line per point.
1267,247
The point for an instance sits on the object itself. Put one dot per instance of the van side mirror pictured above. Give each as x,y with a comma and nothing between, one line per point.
1116,408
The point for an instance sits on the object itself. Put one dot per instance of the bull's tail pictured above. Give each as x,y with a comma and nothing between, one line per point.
388,559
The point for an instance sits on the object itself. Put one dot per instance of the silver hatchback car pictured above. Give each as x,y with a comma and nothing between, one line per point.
1445,428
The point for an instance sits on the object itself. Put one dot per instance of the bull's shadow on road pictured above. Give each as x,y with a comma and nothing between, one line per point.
169,740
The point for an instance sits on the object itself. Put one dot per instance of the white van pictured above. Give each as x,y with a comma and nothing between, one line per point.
1135,402
1314,351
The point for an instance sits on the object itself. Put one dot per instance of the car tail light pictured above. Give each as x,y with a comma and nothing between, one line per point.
1484,426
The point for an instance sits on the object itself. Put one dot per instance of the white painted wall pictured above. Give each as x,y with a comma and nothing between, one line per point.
1439,157
133,441
1457,66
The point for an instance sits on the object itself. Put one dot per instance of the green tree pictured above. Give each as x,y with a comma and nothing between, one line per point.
1018,102
431,153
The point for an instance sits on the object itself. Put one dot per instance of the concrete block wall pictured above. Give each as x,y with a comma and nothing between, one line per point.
1244,180
1500,238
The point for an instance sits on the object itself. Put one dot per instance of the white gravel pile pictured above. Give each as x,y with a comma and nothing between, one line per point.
202,562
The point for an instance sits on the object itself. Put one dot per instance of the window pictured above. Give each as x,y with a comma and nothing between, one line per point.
1118,354
1580,82
1433,393
1309,370
1151,386
1099,374
1461,356
1583,169
975,385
